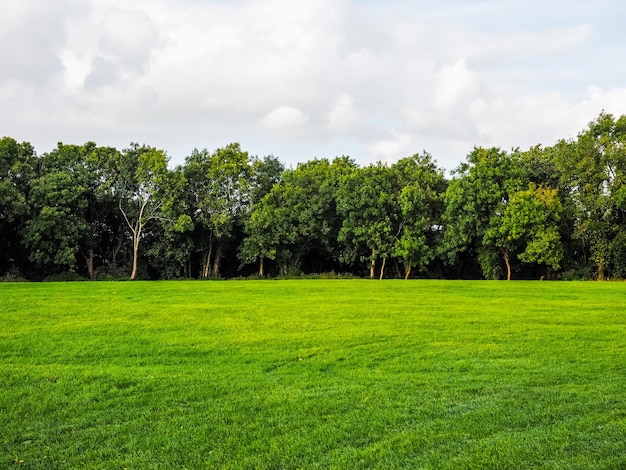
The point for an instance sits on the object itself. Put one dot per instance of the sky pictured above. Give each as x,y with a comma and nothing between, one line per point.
376,80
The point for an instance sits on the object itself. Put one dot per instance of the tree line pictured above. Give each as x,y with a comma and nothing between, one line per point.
84,211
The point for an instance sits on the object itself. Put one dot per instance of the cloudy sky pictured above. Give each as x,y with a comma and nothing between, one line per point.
372,79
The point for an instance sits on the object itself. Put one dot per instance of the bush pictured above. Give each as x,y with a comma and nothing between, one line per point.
113,273
328,275
13,275
580,274
64,277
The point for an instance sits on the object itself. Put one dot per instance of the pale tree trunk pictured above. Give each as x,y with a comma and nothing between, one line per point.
382,268
133,274
261,267
137,229
408,270
508,264
373,264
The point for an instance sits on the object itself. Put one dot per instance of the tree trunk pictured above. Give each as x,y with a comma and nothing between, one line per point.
216,260
601,269
508,264
205,270
261,272
382,268
397,269
133,274
90,271
408,272
373,264
136,228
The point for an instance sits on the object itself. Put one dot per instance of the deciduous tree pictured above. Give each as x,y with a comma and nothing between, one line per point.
17,166
420,186
371,216
220,184
144,192
475,203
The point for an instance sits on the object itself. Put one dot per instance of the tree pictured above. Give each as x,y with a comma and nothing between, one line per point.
220,184
266,172
169,245
311,192
269,231
107,231
260,238
12,198
475,202
17,165
529,227
298,217
421,186
368,205
593,168
60,198
144,192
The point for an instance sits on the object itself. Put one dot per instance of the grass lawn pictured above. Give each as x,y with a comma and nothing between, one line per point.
313,374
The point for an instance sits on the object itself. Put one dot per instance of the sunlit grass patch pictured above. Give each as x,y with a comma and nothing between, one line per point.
313,374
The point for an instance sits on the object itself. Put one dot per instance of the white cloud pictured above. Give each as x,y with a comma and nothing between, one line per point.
285,121
343,115
456,83
369,79
389,150
32,34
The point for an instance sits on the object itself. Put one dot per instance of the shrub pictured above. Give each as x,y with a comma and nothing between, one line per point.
64,277
13,275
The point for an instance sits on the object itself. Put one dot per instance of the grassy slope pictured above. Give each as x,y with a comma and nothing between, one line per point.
306,374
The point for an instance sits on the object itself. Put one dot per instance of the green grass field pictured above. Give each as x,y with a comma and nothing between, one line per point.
313,374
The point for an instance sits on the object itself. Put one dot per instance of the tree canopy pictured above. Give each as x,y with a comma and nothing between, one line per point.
85,211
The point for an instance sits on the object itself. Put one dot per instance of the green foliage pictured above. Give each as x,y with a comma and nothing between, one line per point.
420,188
313,374
113,272
59,200
221,189
594,168
13,275
262,239
475,202
13,163
530,225
68,276
366,201
298,215
147,192
526,214
618,255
